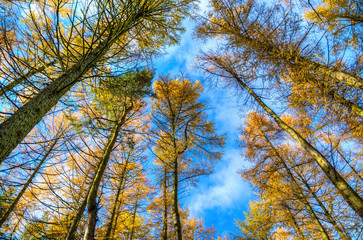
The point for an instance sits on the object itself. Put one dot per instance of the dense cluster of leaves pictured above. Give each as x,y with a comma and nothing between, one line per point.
75,87
81,117
305,150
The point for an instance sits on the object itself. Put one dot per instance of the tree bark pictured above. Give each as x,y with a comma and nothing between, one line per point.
92,207
115,205
351,106
134,218
78,216
340,76
176,216
348,193
296,60
175,168
301,195
14,129
326,212
165,202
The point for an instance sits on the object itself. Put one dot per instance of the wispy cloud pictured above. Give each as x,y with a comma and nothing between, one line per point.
225,187
221,196
181,57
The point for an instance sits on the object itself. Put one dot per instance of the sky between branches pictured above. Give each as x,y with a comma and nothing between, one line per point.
221,197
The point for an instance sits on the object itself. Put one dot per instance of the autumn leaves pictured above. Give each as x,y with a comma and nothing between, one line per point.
272,52
79,114
186,145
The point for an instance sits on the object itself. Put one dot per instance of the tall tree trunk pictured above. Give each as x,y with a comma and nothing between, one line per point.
78,216
352,107
117,216
25,77
92,197
5,216
348,193
326,212
301,195
176,216
296,60
134,218
115,205
340,76
232,25
165,202
14,129
118,207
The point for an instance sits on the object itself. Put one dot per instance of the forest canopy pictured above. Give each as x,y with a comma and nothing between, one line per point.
96,143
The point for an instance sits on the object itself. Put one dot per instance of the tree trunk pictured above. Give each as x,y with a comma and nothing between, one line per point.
296,60
165,199
92,209
115,205
176,216
337,76
348,193
14,129
117,215
78,216
352,107
134,218
326,212
92,197
301,195
340,76
26,185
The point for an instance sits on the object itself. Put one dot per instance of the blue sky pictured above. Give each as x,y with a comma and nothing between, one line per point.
221,197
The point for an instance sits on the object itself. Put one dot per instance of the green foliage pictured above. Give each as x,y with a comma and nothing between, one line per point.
258,222
115,91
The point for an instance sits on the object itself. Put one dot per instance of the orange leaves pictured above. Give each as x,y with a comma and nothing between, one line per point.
177,95
185,143
256,127
179,119
340,17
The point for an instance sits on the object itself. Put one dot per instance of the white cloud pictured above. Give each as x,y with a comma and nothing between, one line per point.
184,54
225,188
204,5
225,112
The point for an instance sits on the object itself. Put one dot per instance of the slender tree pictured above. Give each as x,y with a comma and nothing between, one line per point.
182,132
225,67
121,18
274,157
